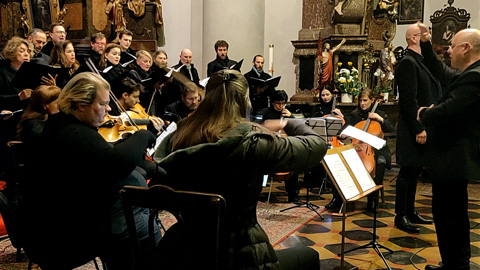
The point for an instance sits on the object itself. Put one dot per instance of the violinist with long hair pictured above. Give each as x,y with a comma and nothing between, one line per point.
218,150
73,185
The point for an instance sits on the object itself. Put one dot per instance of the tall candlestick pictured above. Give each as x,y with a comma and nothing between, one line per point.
270,59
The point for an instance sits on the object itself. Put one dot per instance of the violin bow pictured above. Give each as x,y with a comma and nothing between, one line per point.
92,67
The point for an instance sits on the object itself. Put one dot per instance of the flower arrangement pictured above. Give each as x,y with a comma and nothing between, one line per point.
383,85
347,80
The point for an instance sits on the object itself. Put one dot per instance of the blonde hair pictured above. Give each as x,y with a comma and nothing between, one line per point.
141,53
81,89
226,105
12,45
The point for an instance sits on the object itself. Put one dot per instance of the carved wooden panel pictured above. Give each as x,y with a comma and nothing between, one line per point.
143,27
100,18
74,18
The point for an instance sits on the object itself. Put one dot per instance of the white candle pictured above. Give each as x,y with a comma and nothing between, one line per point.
270,59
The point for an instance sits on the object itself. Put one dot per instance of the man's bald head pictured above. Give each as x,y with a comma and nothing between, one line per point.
186,57
465,48
412,32
471,36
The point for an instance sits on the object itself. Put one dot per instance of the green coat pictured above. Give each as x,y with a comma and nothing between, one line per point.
234,167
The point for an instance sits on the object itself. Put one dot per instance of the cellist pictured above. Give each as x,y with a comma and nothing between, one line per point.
382,157
327,104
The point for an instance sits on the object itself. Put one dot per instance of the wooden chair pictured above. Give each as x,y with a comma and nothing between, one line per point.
9,210
200,218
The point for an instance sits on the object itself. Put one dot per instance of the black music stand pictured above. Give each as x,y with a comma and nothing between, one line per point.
306,204
373,244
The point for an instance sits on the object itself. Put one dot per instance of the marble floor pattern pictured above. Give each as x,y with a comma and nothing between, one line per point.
410,251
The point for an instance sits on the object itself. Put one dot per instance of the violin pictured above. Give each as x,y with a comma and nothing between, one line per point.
364,150
139,116
114,129
334,141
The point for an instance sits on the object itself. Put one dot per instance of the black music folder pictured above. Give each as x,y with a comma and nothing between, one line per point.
156,76
126,58
270,82
30,75
235,66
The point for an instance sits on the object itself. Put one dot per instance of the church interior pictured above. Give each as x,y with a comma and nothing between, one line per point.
292,36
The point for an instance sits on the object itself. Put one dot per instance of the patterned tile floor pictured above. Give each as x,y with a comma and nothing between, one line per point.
410,251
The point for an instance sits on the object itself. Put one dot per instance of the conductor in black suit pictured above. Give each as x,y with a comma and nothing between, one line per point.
417,87
258,94
222,61
454,134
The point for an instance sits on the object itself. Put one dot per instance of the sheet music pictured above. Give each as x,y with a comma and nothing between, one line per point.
342,176
363,136
171,128
356,165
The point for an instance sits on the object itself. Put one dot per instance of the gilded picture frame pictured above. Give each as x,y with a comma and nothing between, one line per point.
40,13
410,11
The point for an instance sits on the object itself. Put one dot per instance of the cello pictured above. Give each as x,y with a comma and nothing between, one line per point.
364,150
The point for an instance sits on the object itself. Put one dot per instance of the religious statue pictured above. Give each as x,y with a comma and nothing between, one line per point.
341,5
114,10
326,63
387,62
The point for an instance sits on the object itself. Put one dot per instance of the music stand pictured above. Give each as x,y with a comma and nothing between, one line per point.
373,244
319,125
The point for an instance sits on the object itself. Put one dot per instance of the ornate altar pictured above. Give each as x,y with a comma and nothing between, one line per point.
365,24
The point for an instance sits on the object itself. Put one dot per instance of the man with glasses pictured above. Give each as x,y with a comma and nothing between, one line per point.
417,87
97,45
38,38
454,157
57,34
258,94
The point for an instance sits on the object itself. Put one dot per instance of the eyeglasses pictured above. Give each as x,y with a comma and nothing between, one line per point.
452,47
61,32
416,35
101,43
279,102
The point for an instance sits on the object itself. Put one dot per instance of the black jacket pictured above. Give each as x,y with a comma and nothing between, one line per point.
184,71
454,151
417,87
259,101
219,64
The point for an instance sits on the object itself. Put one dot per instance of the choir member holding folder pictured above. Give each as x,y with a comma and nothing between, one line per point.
110,66
63,56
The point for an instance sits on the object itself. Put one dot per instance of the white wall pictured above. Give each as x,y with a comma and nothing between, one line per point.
473,7
249,26
283,21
